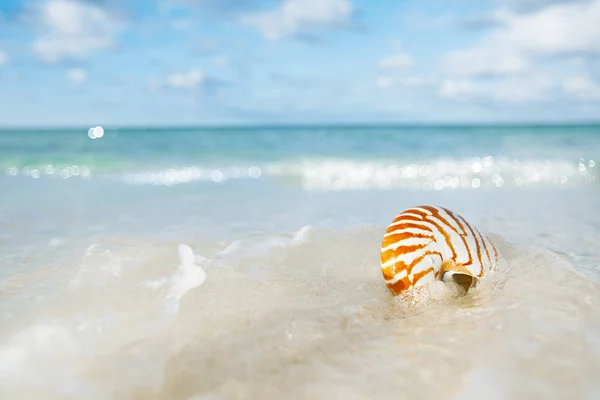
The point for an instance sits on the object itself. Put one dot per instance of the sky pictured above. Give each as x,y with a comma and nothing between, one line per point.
212,62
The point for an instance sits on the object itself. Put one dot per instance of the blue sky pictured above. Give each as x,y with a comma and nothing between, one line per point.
182,62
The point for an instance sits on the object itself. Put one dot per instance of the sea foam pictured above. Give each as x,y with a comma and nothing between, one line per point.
341,174
303,314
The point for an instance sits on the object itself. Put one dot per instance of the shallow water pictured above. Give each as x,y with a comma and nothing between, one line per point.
93,300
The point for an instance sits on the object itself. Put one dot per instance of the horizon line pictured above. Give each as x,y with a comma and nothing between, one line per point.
310,125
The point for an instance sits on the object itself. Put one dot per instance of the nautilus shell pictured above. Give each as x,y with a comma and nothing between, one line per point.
428,243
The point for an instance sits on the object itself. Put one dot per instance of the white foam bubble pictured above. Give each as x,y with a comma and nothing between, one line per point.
439,174
264,244
189,275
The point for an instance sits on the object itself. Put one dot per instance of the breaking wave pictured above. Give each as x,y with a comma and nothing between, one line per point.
339,174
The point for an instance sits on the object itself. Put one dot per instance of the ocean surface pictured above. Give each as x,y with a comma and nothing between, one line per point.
243,263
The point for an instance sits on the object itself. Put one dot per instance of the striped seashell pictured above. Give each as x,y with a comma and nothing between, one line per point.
428,243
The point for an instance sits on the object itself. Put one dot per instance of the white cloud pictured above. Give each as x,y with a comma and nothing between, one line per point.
398,64
582,86
532,5
294,17
558,29
70,28
485,61
556,33
186,80
77,75
509,90
561,28
3,58
190,79
398,61
455,88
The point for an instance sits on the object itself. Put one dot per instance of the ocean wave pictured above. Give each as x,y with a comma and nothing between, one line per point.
468,173
288,315
340,174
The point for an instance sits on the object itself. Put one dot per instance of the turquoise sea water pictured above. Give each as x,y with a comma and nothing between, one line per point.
295,150
286,222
